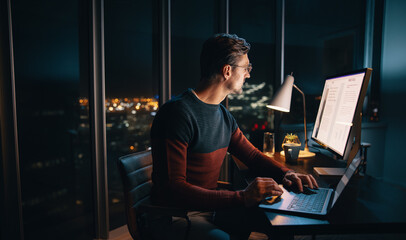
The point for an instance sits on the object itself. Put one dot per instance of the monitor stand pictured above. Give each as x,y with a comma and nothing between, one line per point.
329,172
355,146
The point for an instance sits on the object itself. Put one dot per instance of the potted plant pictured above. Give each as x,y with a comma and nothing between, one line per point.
291,138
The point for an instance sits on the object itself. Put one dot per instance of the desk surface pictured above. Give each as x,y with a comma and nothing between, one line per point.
367,205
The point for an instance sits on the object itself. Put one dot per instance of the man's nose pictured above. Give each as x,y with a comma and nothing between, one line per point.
248,75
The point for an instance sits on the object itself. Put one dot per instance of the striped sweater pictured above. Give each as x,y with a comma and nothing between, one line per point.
189,142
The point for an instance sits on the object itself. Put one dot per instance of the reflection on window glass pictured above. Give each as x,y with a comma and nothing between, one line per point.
53,122
192,23
131,90
256,23
322,38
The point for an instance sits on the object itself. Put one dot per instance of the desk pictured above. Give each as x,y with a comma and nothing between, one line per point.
367,205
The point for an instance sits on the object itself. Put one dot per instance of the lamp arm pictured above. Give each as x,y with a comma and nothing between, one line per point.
304,113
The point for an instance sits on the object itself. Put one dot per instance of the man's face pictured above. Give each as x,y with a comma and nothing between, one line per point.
238,75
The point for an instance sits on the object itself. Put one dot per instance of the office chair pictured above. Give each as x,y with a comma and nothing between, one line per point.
135,170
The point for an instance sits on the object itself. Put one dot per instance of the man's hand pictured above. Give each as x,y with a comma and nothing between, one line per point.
298,180
259,189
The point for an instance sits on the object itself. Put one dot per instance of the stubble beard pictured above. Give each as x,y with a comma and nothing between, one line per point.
240,91
237,91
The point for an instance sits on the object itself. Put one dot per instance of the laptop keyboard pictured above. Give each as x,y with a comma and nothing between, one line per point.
309,202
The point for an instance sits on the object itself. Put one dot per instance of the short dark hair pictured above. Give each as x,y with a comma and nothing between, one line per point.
219,50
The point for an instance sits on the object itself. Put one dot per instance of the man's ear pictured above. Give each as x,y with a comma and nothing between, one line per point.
227,71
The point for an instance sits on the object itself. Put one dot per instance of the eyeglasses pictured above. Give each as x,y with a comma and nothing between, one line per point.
247,68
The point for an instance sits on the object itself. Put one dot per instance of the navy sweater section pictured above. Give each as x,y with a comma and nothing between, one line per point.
204,127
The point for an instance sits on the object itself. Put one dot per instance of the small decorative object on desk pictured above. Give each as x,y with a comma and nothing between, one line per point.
291,138
291,147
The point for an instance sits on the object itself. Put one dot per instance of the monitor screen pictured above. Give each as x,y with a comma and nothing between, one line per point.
342,98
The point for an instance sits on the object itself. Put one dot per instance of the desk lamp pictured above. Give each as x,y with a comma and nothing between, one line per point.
281,102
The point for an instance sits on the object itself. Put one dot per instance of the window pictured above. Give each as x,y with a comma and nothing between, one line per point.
255,22
131,90
53,121
192,23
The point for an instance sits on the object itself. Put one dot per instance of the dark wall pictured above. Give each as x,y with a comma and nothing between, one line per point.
393,90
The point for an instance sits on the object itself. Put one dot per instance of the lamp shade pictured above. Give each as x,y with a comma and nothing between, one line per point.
281,100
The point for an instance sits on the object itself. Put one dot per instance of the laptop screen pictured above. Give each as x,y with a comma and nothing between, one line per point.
346,178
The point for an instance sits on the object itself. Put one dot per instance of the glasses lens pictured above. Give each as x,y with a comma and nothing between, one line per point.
249,68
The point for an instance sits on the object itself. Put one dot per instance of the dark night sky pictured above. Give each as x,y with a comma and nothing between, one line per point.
46,40
46,35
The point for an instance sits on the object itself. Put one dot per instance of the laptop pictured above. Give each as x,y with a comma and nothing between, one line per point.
312,202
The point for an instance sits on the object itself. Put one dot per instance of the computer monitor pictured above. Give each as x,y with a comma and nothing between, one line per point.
338,121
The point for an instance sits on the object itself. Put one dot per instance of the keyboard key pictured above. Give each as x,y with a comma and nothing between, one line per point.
309,202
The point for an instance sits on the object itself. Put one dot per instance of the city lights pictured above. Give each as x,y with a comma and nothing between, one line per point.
131,105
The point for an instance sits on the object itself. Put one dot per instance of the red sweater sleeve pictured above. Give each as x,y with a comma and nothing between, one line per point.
255,160
189,195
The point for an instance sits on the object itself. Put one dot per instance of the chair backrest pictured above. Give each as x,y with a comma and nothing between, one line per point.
135,170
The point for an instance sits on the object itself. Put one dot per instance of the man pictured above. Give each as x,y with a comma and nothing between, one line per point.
192,133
